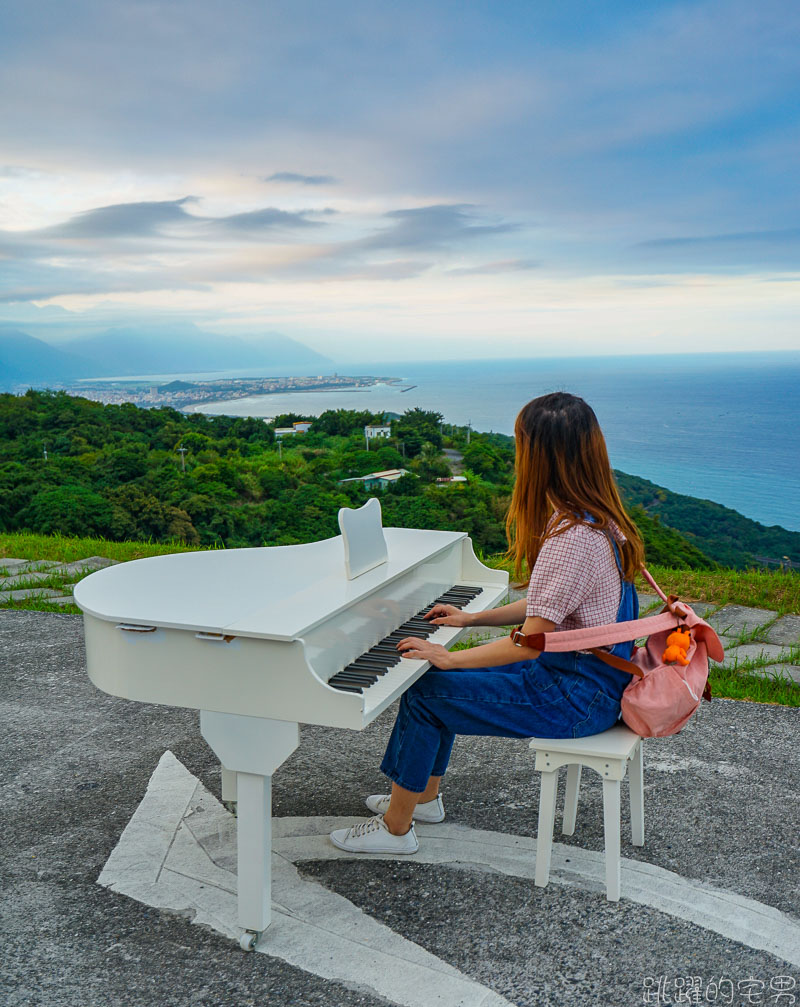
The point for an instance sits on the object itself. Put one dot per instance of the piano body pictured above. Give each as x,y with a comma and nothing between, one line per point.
261,640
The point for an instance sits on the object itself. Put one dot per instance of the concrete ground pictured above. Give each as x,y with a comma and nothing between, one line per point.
721,805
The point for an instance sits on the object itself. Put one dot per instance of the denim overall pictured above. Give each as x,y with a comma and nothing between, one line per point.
568,695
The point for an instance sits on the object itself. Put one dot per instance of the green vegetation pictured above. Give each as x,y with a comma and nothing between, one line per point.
78,468
724,535
117,473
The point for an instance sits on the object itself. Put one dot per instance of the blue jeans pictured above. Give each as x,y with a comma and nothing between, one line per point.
569,695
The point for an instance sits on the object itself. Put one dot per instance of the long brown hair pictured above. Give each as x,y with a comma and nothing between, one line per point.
562,468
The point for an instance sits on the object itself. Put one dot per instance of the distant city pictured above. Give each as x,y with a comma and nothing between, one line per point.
185,394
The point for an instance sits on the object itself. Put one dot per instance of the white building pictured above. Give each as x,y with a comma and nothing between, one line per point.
378,480
301,427
383,430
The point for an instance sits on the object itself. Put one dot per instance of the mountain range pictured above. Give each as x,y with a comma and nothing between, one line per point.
152,349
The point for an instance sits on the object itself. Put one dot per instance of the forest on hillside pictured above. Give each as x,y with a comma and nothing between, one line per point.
77,467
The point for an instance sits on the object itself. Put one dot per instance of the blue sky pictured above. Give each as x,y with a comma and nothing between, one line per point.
473,179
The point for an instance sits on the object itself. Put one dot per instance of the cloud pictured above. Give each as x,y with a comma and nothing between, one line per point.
493,268
784,236
123,220
440,226
295,177
153,221
265,219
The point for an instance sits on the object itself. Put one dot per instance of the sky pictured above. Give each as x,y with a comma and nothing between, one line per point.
445,179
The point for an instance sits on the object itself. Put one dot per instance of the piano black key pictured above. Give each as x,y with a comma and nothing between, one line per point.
369,664
344,687
354,679
389,658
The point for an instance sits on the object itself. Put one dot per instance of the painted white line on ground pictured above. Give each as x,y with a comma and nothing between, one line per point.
178,853
724,912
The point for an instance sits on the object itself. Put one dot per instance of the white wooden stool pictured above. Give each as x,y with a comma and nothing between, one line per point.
609,754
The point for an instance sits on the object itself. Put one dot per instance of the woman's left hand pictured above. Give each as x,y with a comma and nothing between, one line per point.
420,650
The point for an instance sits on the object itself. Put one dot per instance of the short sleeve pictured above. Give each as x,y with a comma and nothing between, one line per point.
565,574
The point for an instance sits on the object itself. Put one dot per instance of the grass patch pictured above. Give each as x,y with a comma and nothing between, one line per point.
34,604
25,545
772,589
729,683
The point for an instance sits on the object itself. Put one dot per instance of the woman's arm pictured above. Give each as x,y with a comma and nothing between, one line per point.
506,615
487,655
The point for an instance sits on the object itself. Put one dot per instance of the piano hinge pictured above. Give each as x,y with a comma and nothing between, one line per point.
128,627
215,637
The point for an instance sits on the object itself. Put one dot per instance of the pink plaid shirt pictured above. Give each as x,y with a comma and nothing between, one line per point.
575,581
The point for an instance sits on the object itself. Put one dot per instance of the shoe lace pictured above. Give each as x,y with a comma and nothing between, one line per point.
371,825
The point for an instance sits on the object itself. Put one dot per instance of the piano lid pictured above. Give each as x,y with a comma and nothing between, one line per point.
277,592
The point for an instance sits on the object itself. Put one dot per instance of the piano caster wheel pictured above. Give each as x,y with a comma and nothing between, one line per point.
231,806
248,940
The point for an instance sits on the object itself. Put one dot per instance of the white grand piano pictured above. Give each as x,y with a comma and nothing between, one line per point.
262,640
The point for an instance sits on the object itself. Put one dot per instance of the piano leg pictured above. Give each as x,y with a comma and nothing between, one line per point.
252,748
254,852
229,789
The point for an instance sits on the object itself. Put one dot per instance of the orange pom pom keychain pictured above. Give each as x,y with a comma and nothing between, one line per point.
678,643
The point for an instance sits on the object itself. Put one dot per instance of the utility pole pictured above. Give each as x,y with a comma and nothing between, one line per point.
469,430
280,449
182,452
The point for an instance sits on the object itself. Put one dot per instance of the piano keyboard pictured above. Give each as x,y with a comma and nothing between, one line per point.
371,665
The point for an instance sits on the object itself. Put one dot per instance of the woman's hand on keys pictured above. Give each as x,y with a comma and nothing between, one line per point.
449,615
420,650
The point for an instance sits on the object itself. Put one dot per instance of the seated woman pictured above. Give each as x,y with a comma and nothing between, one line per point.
567,524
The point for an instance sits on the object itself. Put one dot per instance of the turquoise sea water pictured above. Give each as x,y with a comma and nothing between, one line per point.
724,427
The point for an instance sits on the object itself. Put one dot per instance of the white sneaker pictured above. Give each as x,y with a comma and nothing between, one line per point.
429,812
372,836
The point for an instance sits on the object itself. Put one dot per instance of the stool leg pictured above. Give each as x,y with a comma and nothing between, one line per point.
571,798
636,777
611,813
544,833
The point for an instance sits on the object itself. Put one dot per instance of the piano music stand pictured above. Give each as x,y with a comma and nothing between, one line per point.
364,541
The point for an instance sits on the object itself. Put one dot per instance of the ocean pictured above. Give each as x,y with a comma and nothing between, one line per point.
723,427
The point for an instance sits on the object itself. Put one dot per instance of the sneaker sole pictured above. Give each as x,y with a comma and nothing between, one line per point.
395,852
421,818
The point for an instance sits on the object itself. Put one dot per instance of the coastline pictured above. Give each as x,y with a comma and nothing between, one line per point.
723,429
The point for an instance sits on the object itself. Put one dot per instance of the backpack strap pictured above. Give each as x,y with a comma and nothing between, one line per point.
617,662
600,636
649,578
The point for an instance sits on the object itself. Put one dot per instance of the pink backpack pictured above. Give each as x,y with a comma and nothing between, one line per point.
663,695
